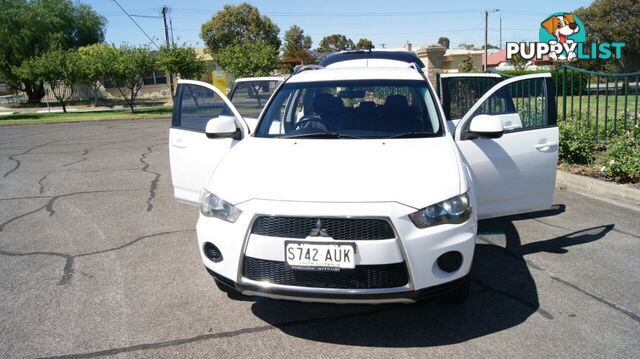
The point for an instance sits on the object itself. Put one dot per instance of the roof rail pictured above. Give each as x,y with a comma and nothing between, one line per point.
415,66
300,68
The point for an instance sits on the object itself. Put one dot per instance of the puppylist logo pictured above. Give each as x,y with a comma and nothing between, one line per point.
563,38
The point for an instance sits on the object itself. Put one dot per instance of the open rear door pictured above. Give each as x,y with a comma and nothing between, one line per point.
192,154
516,172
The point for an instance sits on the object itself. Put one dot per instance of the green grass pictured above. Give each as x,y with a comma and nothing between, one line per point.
38,118
599,104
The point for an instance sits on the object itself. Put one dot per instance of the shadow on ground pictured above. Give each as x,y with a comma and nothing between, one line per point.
503,295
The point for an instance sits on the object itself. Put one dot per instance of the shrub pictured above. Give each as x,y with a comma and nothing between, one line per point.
621,161
576,144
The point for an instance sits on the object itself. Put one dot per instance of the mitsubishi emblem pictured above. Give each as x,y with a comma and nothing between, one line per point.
318,231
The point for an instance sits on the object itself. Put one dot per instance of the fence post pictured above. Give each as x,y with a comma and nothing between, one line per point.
564,93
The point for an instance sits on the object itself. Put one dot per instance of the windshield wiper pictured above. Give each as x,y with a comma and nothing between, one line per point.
414,134
321,135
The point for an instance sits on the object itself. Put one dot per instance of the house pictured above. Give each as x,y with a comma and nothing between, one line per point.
497,61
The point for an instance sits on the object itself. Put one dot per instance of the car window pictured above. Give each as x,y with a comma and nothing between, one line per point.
198,105
459,94
363,109
250,97
520,105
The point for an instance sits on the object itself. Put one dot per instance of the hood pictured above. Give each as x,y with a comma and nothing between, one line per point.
414,172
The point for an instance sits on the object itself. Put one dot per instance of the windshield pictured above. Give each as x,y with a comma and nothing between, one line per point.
352,109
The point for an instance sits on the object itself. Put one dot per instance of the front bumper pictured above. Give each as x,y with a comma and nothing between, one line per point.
417,248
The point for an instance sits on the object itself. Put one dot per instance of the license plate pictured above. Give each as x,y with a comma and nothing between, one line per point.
316,256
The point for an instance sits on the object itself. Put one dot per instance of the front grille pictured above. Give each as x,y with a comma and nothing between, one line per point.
336,228
362,277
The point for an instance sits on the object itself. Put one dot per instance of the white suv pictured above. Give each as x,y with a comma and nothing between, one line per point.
355,186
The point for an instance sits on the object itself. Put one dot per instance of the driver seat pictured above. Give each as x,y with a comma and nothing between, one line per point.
329,109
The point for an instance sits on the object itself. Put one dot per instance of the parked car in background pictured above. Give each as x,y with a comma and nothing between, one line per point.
250,94
355,185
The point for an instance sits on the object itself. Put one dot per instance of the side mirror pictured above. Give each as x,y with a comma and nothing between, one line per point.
223,127
486,126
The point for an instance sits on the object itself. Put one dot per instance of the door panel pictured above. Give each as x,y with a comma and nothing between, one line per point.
192,155
516,172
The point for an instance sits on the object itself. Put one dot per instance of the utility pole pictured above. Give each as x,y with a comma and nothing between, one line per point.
165,10
173,41
486,37
500,32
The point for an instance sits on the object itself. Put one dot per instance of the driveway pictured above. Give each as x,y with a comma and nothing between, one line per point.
96,258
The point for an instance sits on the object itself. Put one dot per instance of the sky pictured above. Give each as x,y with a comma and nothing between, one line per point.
389,24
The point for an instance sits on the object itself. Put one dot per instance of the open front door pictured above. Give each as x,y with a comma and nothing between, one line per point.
192,154
459,91
516,172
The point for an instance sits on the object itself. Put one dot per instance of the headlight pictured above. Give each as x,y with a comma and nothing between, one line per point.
214,206
454,210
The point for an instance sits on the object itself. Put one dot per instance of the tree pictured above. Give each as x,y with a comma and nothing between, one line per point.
97,63
614,21
242,41
489,47
518,62
296,46
31,28
182,61
131,66
444,42
467,46
364,44
467,65
255,59
335,43
59,68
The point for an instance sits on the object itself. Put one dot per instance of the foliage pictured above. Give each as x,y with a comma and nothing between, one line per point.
131,66
465,46
238,25
253,59
518,62
574,81
621,161
96,64
364,44
335,43
31,28
614,21
296,46
444,42
576,144
59,68
489,47
242,41
182,61
467,65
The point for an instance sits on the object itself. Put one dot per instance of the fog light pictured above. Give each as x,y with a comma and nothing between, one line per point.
450,261
212,252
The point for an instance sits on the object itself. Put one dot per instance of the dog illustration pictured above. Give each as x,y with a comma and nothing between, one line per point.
561,26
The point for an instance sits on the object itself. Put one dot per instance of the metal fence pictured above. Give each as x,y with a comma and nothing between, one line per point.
604,103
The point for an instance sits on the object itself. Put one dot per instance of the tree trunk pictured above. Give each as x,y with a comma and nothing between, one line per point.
35,92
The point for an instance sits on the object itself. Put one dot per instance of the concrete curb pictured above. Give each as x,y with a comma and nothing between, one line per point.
613,193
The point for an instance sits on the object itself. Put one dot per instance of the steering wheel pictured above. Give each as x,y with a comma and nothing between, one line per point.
311,121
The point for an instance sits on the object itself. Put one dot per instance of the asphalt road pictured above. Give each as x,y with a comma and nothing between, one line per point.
96,258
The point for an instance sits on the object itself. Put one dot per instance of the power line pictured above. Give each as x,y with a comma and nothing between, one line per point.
134,21
147,16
